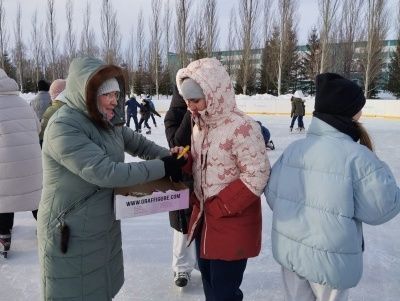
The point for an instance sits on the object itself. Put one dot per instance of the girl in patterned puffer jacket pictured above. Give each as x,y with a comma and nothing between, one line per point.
230,169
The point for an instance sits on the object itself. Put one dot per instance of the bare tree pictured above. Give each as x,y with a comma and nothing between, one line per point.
349,32
70,40
140,39
3,34
140,56
52,38
267,19
167,26
328,9
231,41
167,38
155,31
130,58
199,48
286,10
19,47
377,27
88,41
211,26
248,14
110,33
36,42
182,30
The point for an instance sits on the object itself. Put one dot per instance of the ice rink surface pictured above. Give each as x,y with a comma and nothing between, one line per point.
147,242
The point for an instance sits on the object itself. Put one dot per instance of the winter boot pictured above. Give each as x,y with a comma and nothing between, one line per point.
271,145
181,279
5,243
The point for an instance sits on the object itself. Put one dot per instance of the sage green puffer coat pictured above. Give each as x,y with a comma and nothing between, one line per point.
83,161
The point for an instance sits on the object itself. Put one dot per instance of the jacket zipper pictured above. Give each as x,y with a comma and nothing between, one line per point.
64,213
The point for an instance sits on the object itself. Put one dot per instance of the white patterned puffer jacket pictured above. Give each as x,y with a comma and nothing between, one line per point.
226,143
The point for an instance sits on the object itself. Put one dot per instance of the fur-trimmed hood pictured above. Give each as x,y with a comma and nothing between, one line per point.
85,75
216,84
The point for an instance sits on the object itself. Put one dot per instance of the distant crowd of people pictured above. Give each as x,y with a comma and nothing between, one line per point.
62,157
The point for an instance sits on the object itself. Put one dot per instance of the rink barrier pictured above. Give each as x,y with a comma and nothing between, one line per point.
282,106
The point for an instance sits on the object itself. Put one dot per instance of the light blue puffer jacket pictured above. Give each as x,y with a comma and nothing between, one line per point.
321,190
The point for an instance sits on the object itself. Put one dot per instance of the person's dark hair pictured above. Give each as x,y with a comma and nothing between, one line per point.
43,85
365,138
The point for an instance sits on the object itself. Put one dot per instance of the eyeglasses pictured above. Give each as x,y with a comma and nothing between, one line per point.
112,95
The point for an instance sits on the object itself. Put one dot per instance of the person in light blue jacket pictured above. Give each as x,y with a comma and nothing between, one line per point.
336,184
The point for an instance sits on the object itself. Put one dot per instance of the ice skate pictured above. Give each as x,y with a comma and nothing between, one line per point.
271,145
181,279
5,243
300,130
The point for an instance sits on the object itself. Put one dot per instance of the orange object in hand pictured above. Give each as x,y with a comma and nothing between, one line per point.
183,152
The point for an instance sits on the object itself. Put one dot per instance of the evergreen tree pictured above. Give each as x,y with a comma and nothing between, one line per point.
9,68
393,84
199,47
310,63
138,88
291,63
268,81
251,81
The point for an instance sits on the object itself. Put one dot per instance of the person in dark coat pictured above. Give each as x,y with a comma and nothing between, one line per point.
298,111
145,113
178,130
131,112
148,97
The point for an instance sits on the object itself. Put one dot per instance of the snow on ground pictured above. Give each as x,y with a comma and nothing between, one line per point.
147,243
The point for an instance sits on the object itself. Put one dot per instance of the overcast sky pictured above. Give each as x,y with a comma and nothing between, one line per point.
127,10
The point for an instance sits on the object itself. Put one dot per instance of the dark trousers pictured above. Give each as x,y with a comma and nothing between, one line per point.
7,221
153,118
300,123
135,120
221,279
146,124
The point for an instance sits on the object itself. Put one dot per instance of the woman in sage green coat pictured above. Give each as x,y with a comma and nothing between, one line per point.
83,160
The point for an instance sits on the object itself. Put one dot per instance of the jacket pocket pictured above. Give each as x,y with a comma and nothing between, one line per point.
62,226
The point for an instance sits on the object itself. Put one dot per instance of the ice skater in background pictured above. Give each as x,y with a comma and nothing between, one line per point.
131,112
153,109
336,185
145,112
267,136
298,111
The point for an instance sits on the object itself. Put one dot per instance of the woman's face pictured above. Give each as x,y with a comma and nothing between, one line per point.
357,116
196,105
107,103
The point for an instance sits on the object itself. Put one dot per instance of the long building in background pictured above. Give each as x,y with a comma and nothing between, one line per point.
231,60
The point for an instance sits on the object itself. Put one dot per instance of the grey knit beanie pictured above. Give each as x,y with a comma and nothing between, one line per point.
110,85
190,89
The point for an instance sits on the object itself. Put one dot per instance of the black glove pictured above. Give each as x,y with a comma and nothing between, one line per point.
173,167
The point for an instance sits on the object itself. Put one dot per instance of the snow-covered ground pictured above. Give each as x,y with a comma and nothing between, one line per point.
147,243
